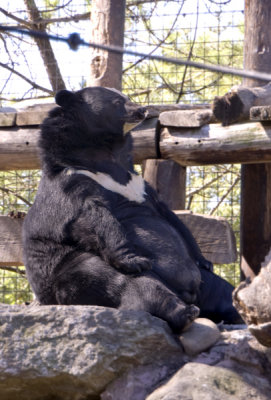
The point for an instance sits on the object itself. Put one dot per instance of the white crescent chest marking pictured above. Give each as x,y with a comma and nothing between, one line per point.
133,191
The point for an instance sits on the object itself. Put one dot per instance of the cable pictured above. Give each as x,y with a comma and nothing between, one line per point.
74,41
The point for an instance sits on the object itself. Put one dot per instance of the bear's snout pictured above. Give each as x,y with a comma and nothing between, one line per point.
141,112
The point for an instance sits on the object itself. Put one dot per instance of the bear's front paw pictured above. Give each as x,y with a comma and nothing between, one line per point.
133,264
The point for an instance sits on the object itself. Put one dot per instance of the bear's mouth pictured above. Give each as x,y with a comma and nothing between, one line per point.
135,119
128,126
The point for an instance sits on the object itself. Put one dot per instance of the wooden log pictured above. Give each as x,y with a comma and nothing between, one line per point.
235,105
210,144
214,236
214,144
145,141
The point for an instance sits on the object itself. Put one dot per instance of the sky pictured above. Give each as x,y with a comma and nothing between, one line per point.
75,65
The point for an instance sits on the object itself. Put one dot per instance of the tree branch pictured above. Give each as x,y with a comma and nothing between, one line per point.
45,48
13,269
9,191
35,85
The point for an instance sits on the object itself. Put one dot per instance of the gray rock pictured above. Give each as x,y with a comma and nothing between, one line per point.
138,382
199,336
201,382
92,353
72,352
252,300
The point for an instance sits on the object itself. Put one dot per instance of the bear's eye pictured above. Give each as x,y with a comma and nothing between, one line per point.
118,102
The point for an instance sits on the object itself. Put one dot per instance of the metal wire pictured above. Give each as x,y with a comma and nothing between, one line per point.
74,41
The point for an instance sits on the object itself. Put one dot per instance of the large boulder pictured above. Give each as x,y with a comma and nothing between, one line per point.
202,381
236,367
253,302
91,353
72,352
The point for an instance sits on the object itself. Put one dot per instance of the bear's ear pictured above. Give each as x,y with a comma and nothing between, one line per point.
64,98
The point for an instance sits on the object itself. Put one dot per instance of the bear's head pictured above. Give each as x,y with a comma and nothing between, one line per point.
87,121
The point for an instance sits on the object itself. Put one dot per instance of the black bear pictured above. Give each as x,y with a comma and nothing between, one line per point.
97,233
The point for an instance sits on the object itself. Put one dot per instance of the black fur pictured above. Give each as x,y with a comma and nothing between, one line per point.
84,244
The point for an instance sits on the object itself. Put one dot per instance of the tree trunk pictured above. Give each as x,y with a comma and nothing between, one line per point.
107,27
256,179
45,48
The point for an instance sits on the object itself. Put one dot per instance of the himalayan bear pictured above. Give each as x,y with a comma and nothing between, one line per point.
97,233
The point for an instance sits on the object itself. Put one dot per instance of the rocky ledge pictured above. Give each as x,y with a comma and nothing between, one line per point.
91,353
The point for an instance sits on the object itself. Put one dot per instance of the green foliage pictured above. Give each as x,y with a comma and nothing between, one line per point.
159,82
14,287
215,190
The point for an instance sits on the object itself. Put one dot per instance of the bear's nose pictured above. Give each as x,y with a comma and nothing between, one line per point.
141,112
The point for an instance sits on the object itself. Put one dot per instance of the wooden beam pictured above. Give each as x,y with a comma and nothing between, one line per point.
214,236
214,144
210,144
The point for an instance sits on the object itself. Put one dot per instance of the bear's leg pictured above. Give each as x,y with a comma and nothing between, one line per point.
147,292
88,280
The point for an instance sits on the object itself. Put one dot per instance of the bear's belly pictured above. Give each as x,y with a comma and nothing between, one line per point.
153,237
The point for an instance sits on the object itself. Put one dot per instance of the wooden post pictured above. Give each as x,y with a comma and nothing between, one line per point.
256,179
107,27
168,178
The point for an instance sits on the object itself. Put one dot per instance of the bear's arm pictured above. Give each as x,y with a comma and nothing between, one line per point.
97,230
181,228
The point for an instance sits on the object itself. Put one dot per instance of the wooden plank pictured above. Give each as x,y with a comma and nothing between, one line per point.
154,110
18,149
213,235
7,117
186,118
10,241
33,115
